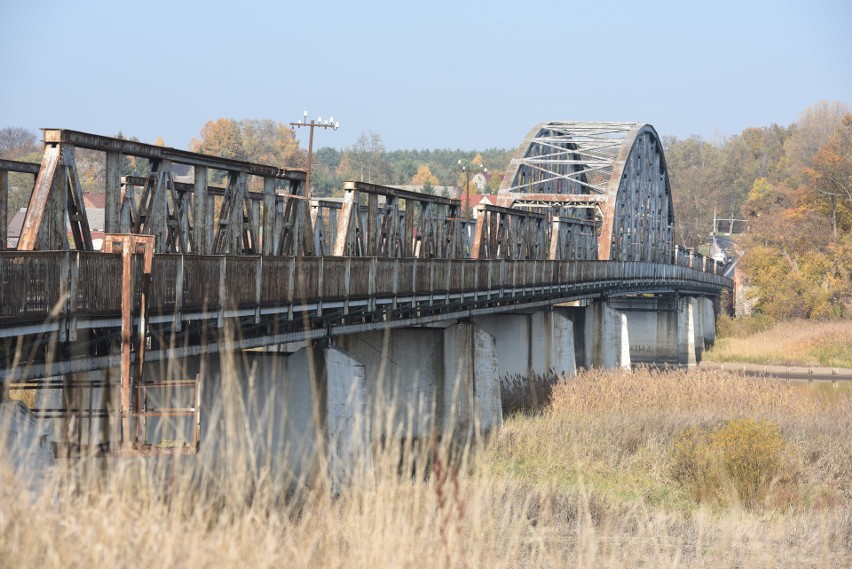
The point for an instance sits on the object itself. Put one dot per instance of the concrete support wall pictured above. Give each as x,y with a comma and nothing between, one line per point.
295,414
708,319
472,403
653,333
421,380
404,379
534,343
698,326
686,332
609,336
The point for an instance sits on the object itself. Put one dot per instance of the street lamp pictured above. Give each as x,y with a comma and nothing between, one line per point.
466,168
318,124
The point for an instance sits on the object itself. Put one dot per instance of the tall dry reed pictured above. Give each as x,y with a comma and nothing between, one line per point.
584,483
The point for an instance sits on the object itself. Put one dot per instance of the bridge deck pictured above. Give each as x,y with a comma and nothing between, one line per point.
61,296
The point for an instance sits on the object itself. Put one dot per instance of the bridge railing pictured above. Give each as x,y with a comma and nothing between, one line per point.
35,284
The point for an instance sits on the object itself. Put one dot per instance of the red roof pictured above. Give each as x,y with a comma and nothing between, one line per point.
93,200
476,199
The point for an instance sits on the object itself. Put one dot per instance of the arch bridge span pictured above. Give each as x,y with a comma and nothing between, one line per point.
612,174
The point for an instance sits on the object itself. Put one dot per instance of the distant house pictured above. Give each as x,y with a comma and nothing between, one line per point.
476,199
93,200
480,180
183,173
95,216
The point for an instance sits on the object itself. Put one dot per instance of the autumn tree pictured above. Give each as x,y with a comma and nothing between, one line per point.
812,131
221,138
424,176
260,141
830,175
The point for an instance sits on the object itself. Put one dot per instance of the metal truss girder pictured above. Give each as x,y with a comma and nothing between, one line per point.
620,164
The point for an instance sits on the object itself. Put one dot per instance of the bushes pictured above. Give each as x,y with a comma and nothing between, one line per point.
738,461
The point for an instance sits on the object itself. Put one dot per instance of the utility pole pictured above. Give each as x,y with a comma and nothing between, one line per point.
466,168
313,124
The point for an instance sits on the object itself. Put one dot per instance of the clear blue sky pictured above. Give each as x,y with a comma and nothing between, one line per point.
435,74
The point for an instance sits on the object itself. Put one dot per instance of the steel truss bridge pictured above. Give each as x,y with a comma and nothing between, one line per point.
585,212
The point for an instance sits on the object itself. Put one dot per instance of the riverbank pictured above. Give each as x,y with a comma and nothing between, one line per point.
792,372
793,343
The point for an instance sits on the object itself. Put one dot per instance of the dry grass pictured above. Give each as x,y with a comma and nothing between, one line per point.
795,342
586,483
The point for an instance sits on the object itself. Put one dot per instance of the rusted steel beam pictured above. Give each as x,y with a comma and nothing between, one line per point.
508,233
16,166
4,208
153,152
558,200
37,209
201,223
112,193
77,216
368,188
184,188
127,245
511,211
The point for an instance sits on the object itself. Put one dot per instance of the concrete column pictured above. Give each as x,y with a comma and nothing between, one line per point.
536,343
562,358
346,413
624,342
423,379
404,379
608,333
652,325
698,326
472,403
686,332
708,320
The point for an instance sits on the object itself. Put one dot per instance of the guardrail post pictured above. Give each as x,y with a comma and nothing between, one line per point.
431,282
395,282
220,321
291,281
320,285
347,276
179,294
258,279
374,262
74,273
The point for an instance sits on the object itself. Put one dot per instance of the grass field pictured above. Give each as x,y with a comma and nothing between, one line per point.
593,480
794,342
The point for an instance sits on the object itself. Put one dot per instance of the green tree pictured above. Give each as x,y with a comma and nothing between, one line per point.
366,161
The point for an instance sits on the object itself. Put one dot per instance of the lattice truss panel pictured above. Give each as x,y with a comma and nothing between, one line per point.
612,173
567,158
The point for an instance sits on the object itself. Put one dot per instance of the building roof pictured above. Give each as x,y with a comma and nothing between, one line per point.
93,200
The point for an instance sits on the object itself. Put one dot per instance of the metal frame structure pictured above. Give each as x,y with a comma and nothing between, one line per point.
180,216
584,212
613,173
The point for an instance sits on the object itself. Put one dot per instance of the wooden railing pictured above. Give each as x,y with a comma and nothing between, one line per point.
77,283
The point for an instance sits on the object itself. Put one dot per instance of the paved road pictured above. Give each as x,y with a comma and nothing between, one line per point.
729,246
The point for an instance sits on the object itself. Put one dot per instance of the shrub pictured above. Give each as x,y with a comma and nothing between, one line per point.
739,460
